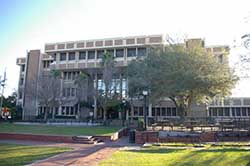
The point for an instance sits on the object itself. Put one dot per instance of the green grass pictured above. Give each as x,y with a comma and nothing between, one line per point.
158,156
16,155
58,130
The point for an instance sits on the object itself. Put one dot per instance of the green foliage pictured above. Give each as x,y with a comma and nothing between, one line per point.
185,75
85,104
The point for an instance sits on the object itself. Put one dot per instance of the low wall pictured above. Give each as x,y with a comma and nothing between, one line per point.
64,139
142,137
31,137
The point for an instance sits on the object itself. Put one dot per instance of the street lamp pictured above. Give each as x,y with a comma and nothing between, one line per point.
145,94
123,111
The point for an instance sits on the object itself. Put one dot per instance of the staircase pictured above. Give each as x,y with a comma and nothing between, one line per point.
85,140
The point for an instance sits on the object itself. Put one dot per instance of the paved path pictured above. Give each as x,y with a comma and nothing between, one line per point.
83,154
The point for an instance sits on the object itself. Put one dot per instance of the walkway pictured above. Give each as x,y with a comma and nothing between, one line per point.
83,154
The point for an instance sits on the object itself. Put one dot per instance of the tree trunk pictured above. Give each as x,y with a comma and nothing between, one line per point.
181,112
104,114
45,114
53,113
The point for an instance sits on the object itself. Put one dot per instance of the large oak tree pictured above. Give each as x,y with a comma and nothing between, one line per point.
184,75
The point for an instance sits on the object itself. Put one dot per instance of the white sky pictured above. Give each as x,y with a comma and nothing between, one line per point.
218,21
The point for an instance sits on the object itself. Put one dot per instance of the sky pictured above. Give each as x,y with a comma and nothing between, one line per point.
29,24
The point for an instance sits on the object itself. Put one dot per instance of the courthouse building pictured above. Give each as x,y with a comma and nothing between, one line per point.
75,57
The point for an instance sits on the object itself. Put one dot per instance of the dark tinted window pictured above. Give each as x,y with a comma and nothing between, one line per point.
142,51
227,112
119,53
91,54
131,52
100,54
62,56
72,56
82,55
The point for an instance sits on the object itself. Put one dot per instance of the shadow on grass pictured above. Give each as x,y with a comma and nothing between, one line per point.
156,150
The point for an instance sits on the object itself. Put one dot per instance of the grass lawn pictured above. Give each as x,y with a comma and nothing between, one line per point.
159,156
58,130
15,155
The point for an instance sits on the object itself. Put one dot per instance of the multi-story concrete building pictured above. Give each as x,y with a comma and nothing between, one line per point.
73,58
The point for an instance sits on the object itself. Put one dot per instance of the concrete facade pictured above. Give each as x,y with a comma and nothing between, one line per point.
73,58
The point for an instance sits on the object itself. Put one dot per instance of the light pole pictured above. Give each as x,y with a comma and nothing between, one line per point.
145,94
123,111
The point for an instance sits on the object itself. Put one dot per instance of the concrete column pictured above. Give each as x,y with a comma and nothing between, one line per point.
95,100
60,110
230,112
120,115
120,86
150,110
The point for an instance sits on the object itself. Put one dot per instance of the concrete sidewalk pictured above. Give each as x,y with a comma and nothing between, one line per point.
83,154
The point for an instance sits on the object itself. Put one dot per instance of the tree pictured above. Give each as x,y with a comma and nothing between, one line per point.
107,95
49,91
184,75
10,103
82,87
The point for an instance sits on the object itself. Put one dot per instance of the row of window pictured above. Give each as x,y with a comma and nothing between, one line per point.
156,111
69,92
119,53
47,63
70,75
229,111
66,110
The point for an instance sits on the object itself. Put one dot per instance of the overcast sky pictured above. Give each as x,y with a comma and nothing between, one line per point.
29,24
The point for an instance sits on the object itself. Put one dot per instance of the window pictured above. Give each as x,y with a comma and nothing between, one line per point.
142,51
100,54
119,53
136,112
71,110
153,111
244,111
131,52
141,111
158,111
67,110
220,110
91,54
22,68
214,112
168,111
68,92
226,112
72,56
20,95
238,112
82,55
62,56
233,112
21,81
73,92
163,112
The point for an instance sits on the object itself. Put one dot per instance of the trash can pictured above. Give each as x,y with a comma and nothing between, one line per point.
132,136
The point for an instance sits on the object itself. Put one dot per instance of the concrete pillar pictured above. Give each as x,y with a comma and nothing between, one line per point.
95,100
150,110
60,110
